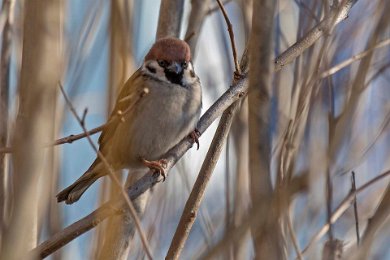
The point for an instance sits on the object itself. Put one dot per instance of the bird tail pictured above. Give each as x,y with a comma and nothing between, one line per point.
73,193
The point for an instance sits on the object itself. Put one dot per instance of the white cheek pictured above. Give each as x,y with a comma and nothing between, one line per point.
158,72
189,77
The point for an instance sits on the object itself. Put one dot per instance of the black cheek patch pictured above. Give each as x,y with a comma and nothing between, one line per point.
151,69
192,73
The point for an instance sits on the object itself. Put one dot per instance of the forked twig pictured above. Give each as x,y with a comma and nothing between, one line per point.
237,71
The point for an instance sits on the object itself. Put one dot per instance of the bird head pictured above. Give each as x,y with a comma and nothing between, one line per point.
169,60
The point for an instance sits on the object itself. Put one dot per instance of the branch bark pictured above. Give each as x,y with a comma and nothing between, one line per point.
336,15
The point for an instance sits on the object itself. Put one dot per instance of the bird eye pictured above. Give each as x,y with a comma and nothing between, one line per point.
184,64
162,63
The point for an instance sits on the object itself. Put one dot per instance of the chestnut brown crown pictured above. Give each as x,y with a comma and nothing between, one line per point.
169,49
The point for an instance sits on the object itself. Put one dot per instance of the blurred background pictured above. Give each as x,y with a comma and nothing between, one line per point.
101,43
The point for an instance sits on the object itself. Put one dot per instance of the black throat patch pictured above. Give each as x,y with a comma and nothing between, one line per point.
173,77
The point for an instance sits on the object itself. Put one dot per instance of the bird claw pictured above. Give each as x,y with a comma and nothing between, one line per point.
194,135
158,166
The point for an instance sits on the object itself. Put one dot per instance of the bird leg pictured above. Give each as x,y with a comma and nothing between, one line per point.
158,166
195,137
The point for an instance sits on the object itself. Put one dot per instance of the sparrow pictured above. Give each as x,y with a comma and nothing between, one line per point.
157,107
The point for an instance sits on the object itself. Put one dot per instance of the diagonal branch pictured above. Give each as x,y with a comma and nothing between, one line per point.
325,26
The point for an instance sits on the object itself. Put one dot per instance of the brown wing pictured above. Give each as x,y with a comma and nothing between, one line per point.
128,97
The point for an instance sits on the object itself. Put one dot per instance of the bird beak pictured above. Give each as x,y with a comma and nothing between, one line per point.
175,67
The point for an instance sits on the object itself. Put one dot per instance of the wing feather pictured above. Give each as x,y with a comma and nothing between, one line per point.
128,97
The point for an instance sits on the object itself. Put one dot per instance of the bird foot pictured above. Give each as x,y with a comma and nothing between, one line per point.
158,166
195,137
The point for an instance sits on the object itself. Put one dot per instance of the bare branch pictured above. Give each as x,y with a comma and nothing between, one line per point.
112,175
325,26
237,71
354,58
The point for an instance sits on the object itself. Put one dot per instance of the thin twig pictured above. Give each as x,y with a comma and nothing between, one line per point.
354,58
71,138
237,71
216,8
293,236
111,174
341,208
64,140
355,209
336,15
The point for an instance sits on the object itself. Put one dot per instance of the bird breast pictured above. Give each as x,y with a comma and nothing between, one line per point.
167,114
